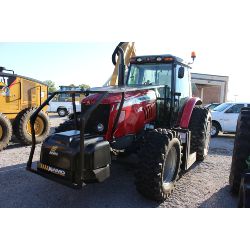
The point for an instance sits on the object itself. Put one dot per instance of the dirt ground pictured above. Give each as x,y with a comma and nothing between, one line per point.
204,185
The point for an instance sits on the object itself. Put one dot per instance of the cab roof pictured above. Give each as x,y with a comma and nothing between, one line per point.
174,58
3,74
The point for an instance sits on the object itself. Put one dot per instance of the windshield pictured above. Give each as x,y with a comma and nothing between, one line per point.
222,107
150,74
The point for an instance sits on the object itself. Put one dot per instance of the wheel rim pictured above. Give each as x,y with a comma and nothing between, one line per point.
38,126
62,112
213,130
1,131
170,166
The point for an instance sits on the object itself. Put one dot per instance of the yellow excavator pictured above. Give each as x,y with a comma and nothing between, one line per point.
129,51
19,97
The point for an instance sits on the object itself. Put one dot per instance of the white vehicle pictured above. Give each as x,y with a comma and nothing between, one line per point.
224,117
63,108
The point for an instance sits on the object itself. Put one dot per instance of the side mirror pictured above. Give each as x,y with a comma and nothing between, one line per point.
181,72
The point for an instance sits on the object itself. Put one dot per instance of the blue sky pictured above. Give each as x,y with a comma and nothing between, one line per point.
63,63
216,30
90,62
86,62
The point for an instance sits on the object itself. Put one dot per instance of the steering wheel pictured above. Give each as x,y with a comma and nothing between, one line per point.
148,83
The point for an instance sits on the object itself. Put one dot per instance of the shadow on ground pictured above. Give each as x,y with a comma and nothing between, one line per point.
220,151
221,199
20,188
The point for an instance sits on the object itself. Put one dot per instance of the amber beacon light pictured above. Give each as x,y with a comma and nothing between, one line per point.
193,55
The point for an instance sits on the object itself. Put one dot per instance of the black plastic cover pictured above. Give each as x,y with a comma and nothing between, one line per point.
62,150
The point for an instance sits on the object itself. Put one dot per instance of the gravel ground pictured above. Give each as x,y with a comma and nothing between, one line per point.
204,185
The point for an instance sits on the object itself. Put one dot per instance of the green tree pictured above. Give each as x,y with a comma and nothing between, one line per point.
84,86
51,85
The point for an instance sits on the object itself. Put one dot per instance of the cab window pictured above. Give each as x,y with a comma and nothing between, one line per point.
150,74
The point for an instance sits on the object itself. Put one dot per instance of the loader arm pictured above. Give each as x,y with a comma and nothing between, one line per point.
129,51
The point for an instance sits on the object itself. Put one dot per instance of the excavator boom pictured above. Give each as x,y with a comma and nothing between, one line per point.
129,51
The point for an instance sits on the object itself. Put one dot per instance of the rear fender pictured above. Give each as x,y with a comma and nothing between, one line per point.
187,110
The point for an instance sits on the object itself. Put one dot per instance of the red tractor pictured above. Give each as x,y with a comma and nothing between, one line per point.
151,112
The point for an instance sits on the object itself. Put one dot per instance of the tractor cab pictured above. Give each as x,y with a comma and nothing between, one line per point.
166,70
172,73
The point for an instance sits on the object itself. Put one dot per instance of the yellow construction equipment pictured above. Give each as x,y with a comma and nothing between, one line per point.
19,97
129,51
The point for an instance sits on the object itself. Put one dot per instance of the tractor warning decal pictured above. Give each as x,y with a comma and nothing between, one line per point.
52,169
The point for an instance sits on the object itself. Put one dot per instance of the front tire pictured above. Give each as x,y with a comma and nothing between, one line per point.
62,112
215,129
159,164
22,128
5,131
241,151
200,127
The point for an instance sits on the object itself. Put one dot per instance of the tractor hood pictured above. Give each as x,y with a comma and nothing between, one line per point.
135,95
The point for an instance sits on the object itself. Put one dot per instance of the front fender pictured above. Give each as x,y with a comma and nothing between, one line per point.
187,111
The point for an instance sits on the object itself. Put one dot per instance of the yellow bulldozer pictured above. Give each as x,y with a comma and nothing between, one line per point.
19,97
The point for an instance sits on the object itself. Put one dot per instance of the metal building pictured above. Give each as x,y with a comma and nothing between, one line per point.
210,88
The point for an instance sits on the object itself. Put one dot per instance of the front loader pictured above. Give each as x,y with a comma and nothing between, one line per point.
19,97
150,112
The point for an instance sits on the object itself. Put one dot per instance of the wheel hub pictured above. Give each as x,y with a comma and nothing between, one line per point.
61,112
213,130
170,166
1,132
38,126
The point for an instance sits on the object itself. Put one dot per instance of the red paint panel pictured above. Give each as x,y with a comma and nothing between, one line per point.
187,111
133,117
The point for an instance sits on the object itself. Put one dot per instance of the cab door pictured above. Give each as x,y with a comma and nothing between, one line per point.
230,117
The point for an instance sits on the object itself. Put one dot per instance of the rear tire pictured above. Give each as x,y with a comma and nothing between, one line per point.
200,127
22,126
241,151
5,131
159,164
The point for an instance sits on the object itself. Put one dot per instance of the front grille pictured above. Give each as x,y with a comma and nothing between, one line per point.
100,115
148,112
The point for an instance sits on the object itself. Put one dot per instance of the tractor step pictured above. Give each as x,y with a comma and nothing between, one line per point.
191,160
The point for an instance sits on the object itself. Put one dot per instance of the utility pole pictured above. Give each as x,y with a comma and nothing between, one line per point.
235,98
